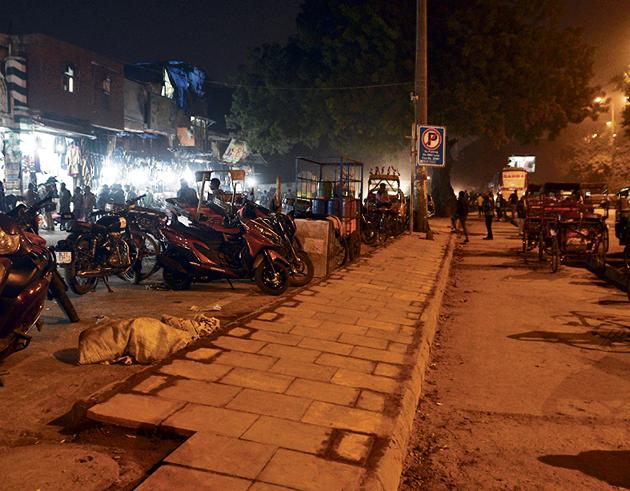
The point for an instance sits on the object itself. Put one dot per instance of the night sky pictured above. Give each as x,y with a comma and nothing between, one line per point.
215,35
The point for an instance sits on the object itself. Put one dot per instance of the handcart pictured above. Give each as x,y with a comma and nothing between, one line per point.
571,229
331,189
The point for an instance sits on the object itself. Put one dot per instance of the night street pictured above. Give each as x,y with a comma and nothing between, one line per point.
528,388
314,245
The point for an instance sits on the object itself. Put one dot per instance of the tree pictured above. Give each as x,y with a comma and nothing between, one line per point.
501,69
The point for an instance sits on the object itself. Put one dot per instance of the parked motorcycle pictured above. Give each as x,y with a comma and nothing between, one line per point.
97,250
207,251
28,275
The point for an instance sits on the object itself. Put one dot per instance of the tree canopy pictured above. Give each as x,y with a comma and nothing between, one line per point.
501,69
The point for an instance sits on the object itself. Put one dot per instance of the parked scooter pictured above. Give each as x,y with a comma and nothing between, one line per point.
28,275
207,250
301,266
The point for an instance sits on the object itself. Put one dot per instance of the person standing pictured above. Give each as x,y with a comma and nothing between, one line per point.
77,203
30,197
103,197
488,212
49,190
89,202
65,198
480,205
521,213
462,212
513,199
3,199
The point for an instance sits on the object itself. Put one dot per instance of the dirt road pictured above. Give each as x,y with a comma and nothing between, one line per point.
530,382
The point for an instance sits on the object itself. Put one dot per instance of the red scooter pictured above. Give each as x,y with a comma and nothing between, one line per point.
207,250
28,275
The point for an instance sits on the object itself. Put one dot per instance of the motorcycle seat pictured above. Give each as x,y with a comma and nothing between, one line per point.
207,235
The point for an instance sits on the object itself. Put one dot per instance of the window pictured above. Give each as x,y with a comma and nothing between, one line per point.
69,76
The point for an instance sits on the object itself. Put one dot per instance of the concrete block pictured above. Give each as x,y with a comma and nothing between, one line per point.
289,434
199,392
304,370
223,454
169,477
134,410
195,417
195,370
256,379
323,391
334,416
270,404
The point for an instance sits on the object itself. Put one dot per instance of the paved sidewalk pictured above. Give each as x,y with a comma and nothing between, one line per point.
319,393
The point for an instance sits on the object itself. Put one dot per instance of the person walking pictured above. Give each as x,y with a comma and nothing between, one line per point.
513,199
89,202
488,212
65,198
77,203
49,190
103,197
462,212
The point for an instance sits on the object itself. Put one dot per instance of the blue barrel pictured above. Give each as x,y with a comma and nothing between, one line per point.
333,207
318,207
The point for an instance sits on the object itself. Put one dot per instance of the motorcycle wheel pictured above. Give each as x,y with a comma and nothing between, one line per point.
354,247
146,264
369,234
58,290
270,282
175,280
555,255
77,284
303,269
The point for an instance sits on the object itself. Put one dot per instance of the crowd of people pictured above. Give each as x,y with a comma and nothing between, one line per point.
489,207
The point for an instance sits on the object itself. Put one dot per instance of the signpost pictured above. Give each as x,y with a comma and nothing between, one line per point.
431,144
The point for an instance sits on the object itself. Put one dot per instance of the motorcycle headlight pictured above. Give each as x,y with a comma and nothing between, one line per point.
9,243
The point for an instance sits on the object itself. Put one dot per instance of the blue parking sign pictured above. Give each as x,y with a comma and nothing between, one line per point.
431,144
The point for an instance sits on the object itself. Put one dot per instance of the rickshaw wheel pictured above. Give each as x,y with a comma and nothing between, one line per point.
626,257
524,241
555,255
628,288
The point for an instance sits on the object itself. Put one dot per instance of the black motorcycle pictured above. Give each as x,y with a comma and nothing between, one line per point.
96,251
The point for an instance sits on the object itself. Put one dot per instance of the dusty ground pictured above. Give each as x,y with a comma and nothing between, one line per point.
42,383
529,386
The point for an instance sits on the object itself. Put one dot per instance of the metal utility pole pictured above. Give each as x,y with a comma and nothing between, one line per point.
421,100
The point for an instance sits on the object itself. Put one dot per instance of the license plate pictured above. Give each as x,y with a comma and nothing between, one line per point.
63,257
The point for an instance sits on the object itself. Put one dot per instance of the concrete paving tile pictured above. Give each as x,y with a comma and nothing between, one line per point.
391,336
245,360
345,327
134,410
267,316
291,352
324,345
239,332
363,341
310,473
379,324
354,447
348,362
362,380
170,477
199,392
195,417
300,311
316,332
289,434
408,330
379,355
387,370
341,318
263,486
257,379
238,344
323,391
325,414
195,370
270,326
202,354
277,337
223,454
372,401
301,369
270,404
151,383
398,347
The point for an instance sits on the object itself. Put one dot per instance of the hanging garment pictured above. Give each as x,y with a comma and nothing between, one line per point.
73,159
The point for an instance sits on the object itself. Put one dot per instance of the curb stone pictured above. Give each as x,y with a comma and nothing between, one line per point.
386,475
